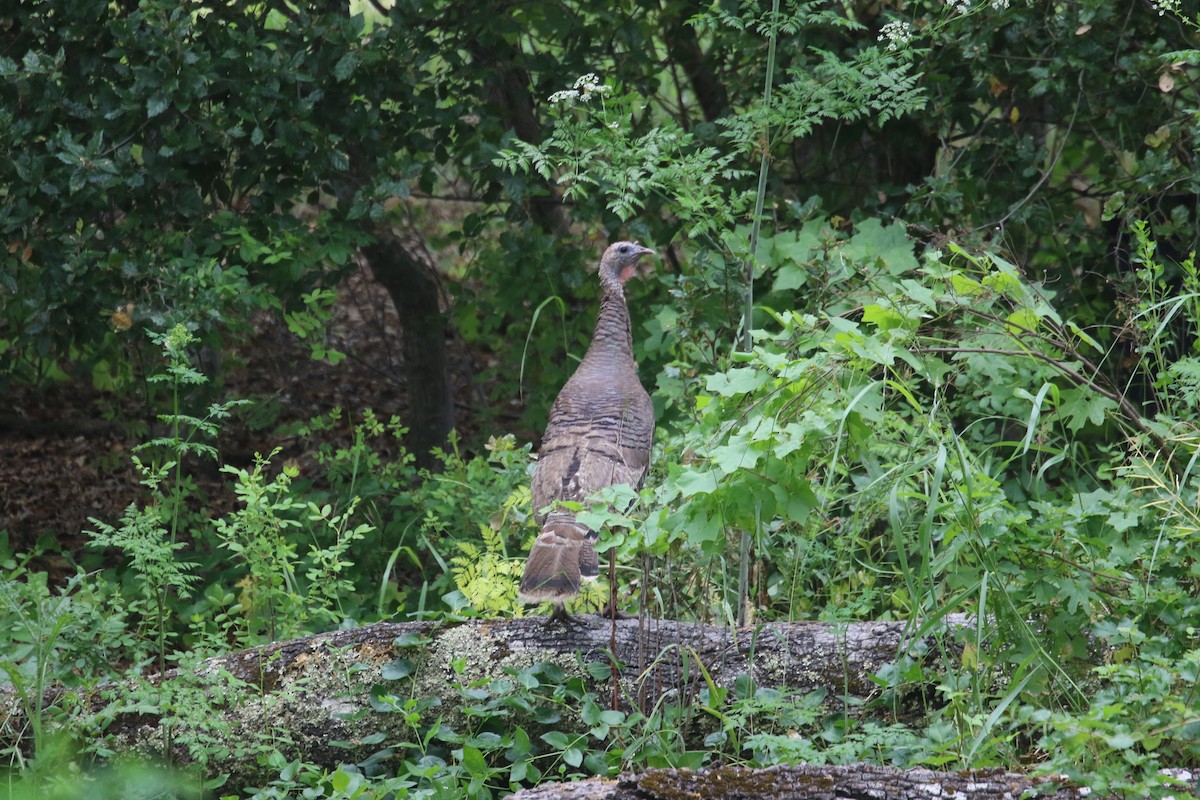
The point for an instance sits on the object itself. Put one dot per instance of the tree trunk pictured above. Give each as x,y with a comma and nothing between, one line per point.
413,285
684,48
807,782
507,86
302,696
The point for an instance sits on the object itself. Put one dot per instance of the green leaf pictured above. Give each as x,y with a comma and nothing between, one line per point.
395,670
340,780
789,277
590,713
1121,521
474,762
547,715
383,700
612,717
738,454
599,670
1084,337
1023,319
1081,407
964,286
873,243
739,380
411,639
703,529
795,501
553,673
487,740
345,66
919,293
690,482
156,105
883,318
556,739
1120,741
791,251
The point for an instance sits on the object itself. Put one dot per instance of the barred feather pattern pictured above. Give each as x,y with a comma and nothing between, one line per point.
599,434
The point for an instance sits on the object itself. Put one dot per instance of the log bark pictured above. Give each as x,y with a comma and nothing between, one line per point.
808,782
311,698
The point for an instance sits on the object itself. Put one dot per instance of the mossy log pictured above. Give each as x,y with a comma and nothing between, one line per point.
806,782
311,698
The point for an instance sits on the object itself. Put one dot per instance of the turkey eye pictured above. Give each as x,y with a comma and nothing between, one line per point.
624,248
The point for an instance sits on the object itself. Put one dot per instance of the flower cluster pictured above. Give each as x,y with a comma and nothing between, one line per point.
999,5
1167,7
959,6
897,34
584,87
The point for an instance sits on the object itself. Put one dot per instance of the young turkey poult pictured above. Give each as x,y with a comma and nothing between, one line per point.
599,434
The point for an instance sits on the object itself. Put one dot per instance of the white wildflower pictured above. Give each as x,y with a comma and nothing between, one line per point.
564,96
897,34
589,84
959,6
999,5
1167,6
582,90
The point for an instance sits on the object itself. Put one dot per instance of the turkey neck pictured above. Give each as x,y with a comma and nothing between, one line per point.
612,340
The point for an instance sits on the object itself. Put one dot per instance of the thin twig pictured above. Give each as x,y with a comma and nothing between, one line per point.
1046,172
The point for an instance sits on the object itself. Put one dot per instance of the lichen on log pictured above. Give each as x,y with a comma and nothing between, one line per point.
311,698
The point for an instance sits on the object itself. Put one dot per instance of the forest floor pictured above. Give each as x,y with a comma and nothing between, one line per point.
65,448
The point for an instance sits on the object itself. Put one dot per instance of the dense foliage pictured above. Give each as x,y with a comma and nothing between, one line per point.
925,341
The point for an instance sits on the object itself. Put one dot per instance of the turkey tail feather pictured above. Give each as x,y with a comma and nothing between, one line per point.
589,562
554,567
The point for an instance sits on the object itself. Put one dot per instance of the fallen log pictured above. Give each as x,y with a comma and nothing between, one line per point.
318,698
809,782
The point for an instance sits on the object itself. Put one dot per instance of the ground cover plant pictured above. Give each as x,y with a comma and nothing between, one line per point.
923,342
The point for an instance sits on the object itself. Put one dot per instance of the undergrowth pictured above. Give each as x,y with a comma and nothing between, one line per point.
910,451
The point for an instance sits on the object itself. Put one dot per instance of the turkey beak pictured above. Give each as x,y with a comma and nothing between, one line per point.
637,267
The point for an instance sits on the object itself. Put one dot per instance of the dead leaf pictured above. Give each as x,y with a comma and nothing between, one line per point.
1166,82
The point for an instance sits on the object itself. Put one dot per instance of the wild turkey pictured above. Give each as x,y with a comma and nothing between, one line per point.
599,434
